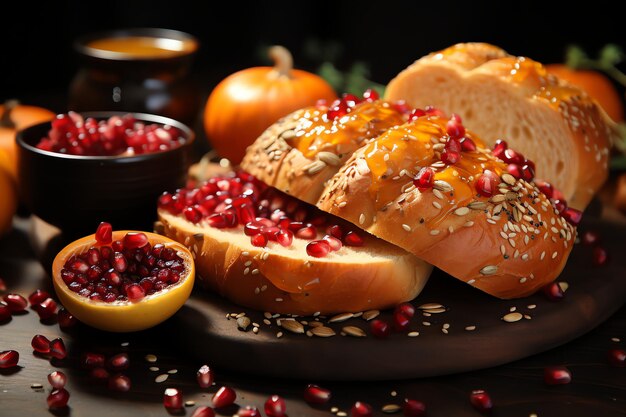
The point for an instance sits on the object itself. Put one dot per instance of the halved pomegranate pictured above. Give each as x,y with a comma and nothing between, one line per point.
133,282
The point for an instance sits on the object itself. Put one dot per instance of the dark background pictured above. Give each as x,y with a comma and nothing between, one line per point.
39,62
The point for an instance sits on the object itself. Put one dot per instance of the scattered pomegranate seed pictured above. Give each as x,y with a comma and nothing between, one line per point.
204,376
361,409
16,302
617,357
400,321
120,383
553,291
600,256
514,170
335,231
353,239
203,411
318,248
590,238
135,240
405,308
57,349
557,375
40,344
100,374
499,148
454,127
572,216
92,360
275,406
104,233
481,401
223,397
424,179
315,394
5,311
259,240
416,114
487,183
46,309
370,95
58,398
335,244
467,145
248,411
380,328
118,362
338,108
57,379
37,297
173,399
413,408
9,359
401,106
451,152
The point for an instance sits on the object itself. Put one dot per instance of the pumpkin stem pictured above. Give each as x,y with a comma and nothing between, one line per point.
283,61
5,118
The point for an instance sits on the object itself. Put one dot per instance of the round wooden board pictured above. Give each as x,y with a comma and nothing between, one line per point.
202,329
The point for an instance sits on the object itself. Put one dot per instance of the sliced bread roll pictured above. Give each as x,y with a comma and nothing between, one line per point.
500,96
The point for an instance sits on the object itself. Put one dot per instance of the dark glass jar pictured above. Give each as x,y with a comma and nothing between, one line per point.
136,70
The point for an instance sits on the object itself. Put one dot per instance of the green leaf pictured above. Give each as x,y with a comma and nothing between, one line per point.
610,56
575,57
332,76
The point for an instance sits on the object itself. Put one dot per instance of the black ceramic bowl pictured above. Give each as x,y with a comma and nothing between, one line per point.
75,193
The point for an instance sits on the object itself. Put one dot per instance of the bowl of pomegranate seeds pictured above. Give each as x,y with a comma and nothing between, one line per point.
83,167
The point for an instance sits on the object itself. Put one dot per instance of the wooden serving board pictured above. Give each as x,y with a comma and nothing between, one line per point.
444,344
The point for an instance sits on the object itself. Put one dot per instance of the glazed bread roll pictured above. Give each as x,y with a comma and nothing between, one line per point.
555,124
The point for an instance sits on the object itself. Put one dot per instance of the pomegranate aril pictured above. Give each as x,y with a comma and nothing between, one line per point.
557,375
57,349
248,411
335,244
370,95
481,401
499,148
338,108
450,157
401,106
134,240
424,179
173,399
203,411
553,291
617,357
559,205
259,240
572,216
353,239
118,362
57,379
361,409
120,383
192,214
46,309
600,256
100,374
120,264
528,171
487,183
9,359
275,407
318,248
92,360
590,237
314,394
416,114
37,297
454,127
40,344
380,328
65,319
400,321
204,376
104,233
5,312
335,231
405,308
413,408
545,187
514,170
15,302
307,232
58,398
225,396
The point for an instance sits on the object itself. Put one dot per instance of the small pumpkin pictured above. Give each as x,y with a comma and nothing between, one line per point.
13,117
8,193
247,102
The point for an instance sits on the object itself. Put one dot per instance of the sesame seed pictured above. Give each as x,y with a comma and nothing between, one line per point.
468,224
437,194
426,323
406,227
525,257
554,255
470,328
161,378
461,211
248,263
512,243
450,229
413,334
489,270
434,232
471,281
504,235
255,271
246,271
502,250
245,253
508,178
437,205
522,280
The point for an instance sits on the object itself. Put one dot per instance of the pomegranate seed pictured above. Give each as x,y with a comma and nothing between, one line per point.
468,145
449,157
335,231
46,309
400,321
58,398
37,297
416,114
600,256
499,148
335,244
120,383
545,187
248,411
487,183
275,406
370,95
15,302
204,376
318,248
40,344
559,205
223,397
104,233
100,374
405,308
590,238
380,329
481,401
135,292
514,170
557,375
57,349
92,360
454,127
173,399
118,362
433,111
351,99
57,379
259,240
511,157
553,291
307,232
9,359
203,411
424,179
192,214
119,262
413,408
134,240
361,409
65,319
5,311
353,239
617,357
528,171
401,106
315,394
338,108
285,238
572,216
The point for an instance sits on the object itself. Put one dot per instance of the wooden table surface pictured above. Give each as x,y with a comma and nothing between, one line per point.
517,389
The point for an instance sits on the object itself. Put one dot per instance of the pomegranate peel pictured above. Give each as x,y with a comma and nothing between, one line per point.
124,315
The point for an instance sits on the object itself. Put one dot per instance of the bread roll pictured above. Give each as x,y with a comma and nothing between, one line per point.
500,96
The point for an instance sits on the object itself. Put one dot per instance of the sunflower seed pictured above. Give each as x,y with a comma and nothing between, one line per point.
461,211
151,358
508,178
329,158
354,331
371,314
340,317
489,270
390,408
161,378
435,310
323,331
314,167
442,186
292,325
513,317
430,306
477,205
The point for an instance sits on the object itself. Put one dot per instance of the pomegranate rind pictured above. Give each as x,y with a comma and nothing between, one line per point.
124,316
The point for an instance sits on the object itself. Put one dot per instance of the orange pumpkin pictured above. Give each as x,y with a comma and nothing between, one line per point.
596,84
247,102
8,193
14,117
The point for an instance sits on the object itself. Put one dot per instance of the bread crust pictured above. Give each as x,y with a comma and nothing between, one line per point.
540,110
